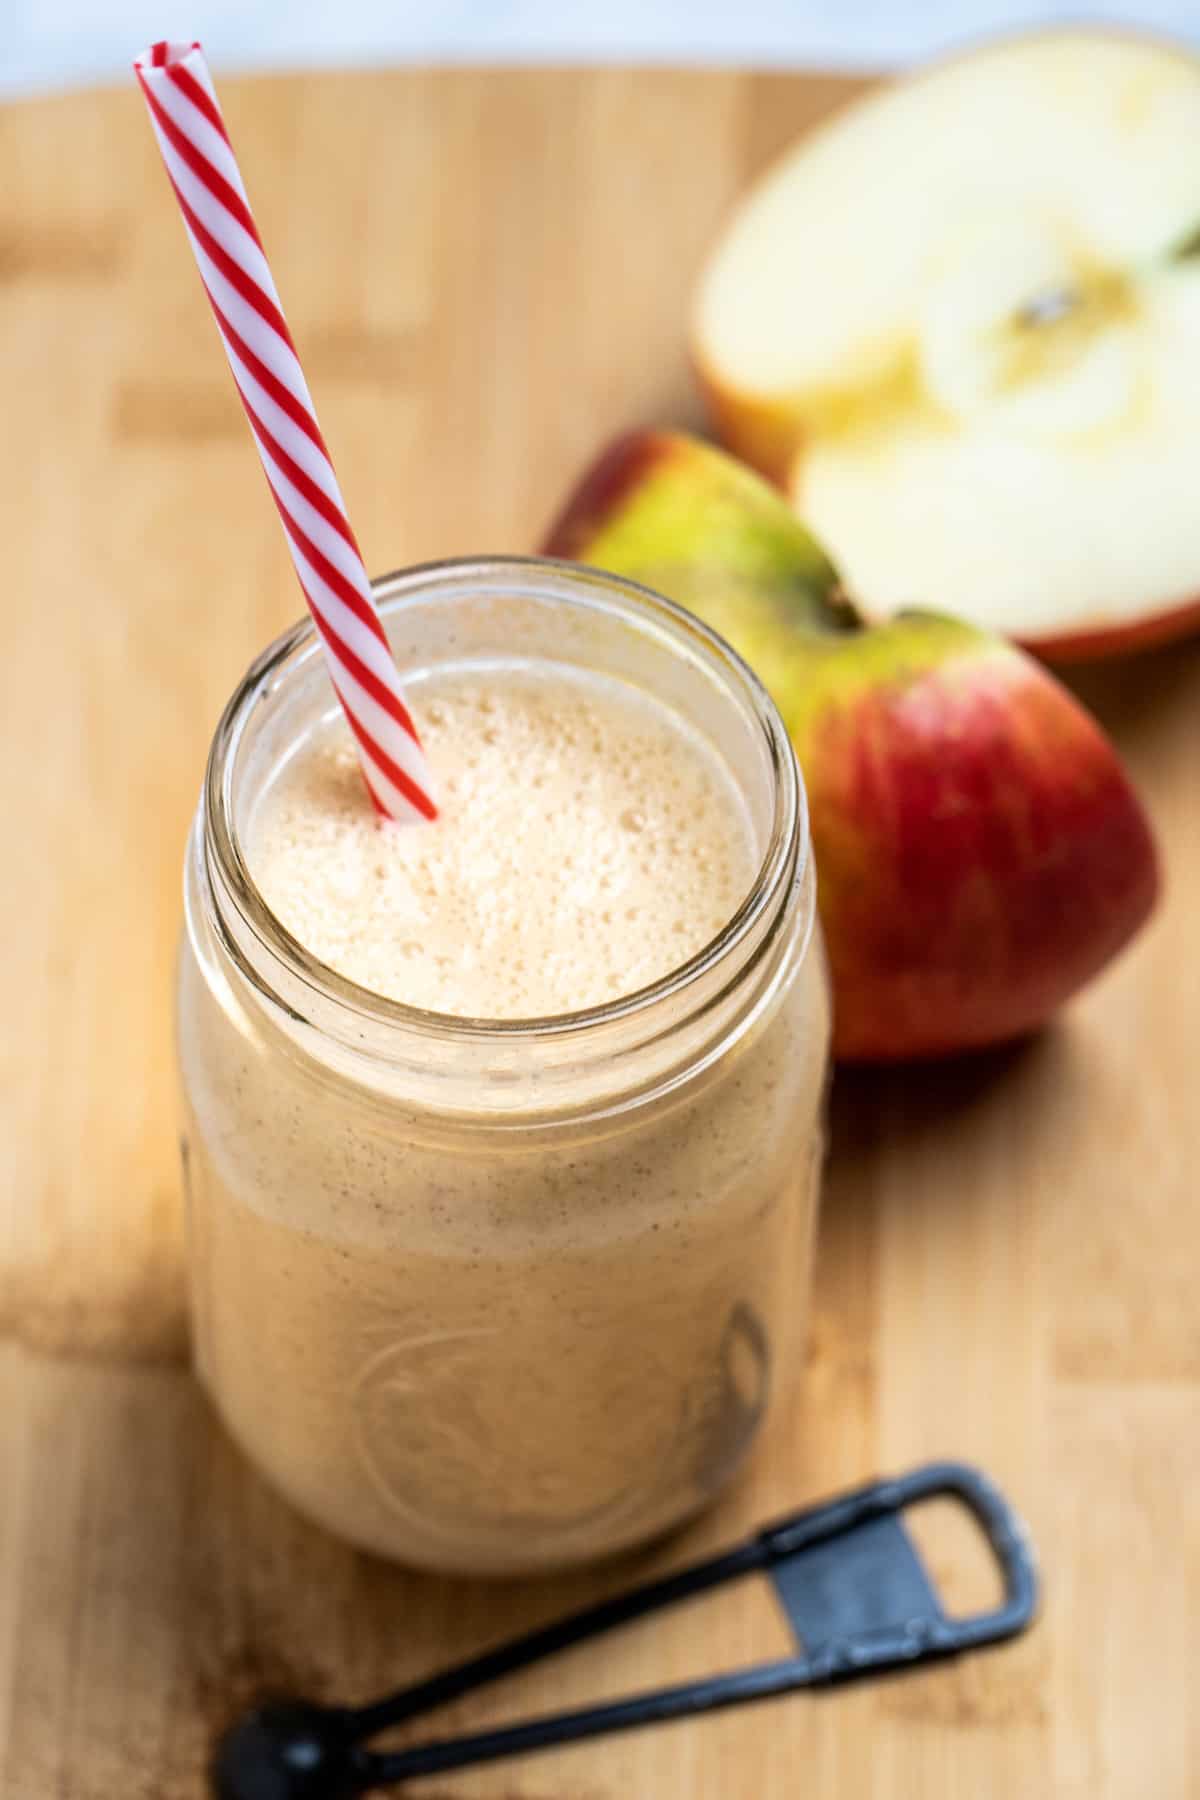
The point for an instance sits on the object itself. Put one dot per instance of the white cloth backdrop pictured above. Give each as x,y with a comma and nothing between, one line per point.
52,43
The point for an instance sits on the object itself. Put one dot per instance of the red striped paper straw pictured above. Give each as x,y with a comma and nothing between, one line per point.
201,167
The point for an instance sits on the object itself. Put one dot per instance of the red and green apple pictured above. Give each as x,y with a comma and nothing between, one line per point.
980,850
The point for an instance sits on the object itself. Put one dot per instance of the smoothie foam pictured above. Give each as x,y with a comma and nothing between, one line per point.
589,842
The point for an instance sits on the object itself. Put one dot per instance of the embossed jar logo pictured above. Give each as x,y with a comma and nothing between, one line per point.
494,1427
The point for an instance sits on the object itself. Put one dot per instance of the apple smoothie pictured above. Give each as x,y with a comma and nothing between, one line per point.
503,1132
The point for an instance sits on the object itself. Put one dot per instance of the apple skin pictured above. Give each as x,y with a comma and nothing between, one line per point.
768,434
1104,639
980,851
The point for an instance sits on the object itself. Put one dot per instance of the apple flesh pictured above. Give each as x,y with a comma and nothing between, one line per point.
960,325
980,851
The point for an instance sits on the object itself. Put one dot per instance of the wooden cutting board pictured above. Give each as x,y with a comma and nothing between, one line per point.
487,274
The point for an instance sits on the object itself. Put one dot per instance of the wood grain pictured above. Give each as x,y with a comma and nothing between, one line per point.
486,275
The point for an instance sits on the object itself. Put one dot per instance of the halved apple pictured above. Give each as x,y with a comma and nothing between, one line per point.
961,325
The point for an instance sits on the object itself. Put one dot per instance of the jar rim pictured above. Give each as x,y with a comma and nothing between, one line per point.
784,860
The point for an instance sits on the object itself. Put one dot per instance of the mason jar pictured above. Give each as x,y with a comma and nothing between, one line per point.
498,1296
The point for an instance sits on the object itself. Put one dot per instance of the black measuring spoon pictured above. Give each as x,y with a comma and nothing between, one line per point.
846,1572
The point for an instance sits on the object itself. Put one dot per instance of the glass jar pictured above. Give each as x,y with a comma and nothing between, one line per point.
499,1296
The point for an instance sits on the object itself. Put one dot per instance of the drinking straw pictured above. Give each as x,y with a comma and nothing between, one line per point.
203,171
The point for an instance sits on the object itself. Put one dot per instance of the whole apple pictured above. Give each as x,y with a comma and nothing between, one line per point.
980,851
